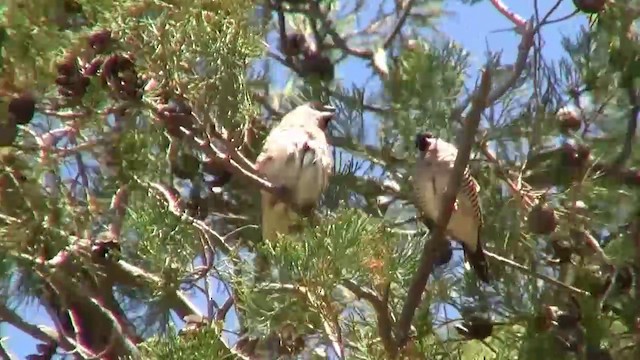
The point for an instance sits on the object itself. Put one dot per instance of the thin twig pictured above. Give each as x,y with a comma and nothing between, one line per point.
314,302
218,240
221,313
396,29
521,61
226,159
537,275
338,40
523,53
519,189
563,18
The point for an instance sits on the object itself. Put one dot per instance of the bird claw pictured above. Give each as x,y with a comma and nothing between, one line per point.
306,210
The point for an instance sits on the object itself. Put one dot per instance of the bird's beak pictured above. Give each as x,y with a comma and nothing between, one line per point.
328,108
327,112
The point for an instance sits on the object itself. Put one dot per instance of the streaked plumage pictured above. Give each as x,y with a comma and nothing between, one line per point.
430,179
296,156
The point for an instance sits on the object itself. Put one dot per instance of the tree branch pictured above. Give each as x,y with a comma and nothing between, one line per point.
519,189
132,276
536,275
516,19
521,61
338,40
103,332
383,318
39,332
174,206
396,29
431,247
4,354
547,178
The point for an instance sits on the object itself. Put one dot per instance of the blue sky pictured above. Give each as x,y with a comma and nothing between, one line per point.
470,26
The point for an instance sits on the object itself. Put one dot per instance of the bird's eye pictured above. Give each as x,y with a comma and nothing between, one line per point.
422,141
316,105
324,120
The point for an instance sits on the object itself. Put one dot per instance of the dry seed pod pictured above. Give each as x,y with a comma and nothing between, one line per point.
590,6
475,327
318,64
100,40
22,108
573,156
562,251
293,44
542,219
568,119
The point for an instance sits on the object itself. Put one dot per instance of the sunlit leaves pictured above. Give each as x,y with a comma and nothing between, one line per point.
423,88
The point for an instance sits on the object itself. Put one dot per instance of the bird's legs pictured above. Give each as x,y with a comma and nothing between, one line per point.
285,195
282,194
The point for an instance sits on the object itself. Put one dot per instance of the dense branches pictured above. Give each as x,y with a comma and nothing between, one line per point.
129,198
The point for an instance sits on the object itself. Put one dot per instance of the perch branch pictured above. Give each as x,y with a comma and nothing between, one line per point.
431,247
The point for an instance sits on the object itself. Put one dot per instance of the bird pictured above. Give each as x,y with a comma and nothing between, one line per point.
295,158
430,179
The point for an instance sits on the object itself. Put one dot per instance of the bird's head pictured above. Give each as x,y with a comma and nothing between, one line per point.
424,141
310,112
324,113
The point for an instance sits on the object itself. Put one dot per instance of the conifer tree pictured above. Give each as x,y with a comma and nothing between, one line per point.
130,203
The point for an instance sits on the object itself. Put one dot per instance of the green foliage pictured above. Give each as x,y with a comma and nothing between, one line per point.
426,80
157,234
365,242
312,254
205,344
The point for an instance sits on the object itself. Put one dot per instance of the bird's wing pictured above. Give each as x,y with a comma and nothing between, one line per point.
285,154
281,146
471,191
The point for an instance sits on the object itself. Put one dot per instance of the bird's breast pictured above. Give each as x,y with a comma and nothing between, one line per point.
427,196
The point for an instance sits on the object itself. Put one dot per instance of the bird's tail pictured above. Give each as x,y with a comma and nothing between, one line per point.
478,262
277,217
